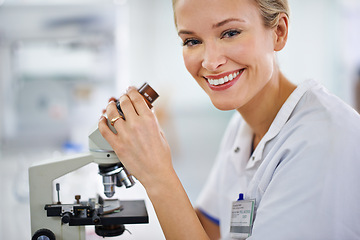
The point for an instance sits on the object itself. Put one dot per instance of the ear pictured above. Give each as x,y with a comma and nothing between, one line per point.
281,32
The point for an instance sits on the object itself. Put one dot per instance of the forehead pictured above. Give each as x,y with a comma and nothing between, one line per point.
188,13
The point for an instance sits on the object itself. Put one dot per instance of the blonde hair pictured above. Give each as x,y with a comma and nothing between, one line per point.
269,9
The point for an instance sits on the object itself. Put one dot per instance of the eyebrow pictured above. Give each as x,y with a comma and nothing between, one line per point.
217,25
185,32
222,23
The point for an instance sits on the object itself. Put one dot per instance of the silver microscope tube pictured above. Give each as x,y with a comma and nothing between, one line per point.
109,185
125,178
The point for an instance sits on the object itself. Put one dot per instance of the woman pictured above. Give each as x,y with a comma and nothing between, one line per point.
293,149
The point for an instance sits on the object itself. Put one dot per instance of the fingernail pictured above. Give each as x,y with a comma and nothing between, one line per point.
112,99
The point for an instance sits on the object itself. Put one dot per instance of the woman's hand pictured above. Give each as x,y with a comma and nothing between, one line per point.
139,143
143,149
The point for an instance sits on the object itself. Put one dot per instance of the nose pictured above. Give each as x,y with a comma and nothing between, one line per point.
213,57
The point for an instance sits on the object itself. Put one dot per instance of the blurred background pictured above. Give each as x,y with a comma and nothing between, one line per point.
61,60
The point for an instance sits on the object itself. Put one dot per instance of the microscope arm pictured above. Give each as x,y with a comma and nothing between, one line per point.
42,175
41,178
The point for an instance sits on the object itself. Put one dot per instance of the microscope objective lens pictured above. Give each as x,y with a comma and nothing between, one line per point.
109,185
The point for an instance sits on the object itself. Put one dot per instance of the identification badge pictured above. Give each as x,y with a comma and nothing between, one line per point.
242,217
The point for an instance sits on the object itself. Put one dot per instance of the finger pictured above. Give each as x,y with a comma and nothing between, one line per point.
105,130
112,99
127,107
138,101
112,113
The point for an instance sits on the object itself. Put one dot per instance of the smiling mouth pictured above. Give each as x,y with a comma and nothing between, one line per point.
223,80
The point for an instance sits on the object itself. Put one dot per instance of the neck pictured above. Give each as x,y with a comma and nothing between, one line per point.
261,111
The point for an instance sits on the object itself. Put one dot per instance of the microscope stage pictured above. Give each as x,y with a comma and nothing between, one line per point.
131,212
110,212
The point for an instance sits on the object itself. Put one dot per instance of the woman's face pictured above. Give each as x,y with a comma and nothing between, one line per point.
227,49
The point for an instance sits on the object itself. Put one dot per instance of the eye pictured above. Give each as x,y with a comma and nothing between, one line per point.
190,42
230,33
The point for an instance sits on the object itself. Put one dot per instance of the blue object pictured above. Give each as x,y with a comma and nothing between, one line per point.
241,197
211,218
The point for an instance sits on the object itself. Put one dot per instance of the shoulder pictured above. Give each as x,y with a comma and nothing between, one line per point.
321,128
323,115
322,131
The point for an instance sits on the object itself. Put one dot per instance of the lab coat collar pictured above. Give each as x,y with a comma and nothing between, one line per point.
241,149
280,120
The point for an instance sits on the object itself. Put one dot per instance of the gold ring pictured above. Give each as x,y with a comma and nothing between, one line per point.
114,120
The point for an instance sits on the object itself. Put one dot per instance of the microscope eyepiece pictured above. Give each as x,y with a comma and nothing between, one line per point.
148,94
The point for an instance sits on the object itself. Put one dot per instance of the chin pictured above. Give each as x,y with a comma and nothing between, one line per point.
224,106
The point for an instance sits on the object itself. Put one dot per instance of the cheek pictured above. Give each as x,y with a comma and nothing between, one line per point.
257,56
191,63
242,52
266,63
266,55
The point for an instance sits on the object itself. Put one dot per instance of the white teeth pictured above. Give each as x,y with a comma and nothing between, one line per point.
223,80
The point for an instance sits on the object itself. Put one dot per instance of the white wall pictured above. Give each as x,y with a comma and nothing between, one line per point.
316,45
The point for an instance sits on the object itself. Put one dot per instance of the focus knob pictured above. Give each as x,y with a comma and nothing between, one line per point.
66,217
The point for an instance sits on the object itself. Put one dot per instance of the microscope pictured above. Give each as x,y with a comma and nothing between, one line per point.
52,220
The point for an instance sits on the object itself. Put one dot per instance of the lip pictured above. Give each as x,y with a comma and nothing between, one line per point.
224,86
221,75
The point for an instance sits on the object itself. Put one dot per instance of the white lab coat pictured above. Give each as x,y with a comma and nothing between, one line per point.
304,174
